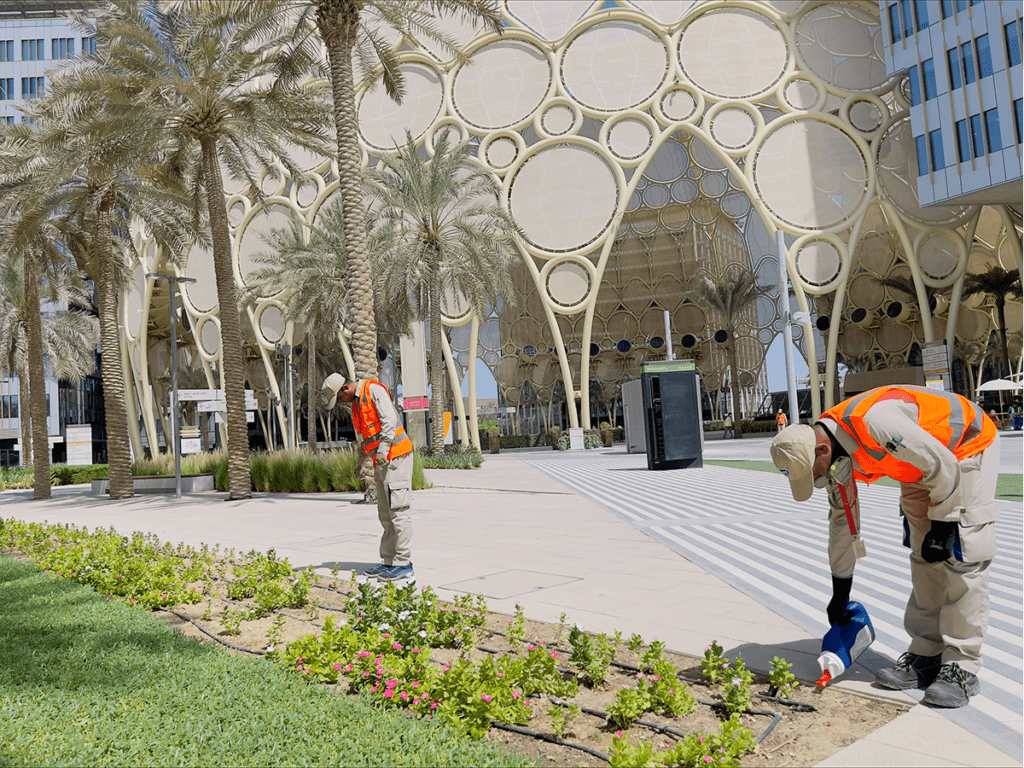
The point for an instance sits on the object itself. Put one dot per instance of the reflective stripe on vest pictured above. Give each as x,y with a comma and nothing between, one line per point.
367,422
951,419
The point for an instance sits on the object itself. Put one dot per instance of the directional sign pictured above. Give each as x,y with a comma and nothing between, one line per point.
208,406
207,394
218,417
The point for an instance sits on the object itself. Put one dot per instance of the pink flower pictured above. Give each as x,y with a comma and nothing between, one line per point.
701,739
363,655
307,671
386,635
404,696
531,647
397,646
348,668
554,655
501,674
708,759
445,667
618,734
433,705
337,667
516,694
671,691
388,693
415,683
485,697
414,650
374,689
392,682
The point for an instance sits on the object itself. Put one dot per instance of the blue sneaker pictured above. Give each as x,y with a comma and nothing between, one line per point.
376,570
397,573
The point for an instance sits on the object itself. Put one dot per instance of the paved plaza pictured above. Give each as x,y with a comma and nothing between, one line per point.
687,556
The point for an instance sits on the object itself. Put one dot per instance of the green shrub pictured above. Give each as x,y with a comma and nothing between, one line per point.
453,457
62,474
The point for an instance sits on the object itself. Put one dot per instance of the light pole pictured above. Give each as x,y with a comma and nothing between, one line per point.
172,281
285,349
787,328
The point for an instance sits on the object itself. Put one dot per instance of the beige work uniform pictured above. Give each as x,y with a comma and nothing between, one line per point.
947,612
393,481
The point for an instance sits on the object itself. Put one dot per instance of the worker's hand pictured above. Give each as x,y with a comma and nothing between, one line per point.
938,542
837,612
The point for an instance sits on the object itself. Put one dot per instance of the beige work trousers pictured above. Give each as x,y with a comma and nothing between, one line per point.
948,609
393,481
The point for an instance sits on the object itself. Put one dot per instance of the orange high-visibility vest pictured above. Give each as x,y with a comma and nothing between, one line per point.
780,419
367,424
952,420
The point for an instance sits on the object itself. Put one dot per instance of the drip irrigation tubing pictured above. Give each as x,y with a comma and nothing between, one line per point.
796,706
548,737
208,633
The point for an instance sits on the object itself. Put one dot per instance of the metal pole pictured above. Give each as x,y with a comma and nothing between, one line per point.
172,282
787,328
669,354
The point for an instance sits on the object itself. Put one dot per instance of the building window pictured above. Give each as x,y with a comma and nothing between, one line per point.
32,50
995,141
922,157
963,141
89,45
953,64
32,87
14,407
930,89
921,8
1018,118
9,119
7,89
949,7
967,57
979,142
908,18
62,48
894,23
1012,33
984,56
938,158
915,86
7,50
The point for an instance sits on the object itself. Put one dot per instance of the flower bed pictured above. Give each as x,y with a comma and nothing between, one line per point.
586,699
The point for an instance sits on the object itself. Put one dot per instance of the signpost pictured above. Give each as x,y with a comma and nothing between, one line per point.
935,359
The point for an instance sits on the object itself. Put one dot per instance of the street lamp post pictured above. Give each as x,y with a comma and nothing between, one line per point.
172,281
787,328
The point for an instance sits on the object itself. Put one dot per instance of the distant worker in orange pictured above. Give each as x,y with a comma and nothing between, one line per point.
780,421
944,452
376,421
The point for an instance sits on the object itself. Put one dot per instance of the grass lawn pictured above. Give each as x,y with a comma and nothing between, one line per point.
86,681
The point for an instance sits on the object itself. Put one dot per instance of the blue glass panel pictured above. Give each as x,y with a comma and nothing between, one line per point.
984,55
922,157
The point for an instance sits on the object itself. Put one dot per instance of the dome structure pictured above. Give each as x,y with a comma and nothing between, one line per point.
641,145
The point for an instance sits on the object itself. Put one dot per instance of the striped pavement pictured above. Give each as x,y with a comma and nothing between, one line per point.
744,527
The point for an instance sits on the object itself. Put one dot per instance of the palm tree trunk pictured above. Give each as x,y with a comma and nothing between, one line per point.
36,380
311,378
26,419
734,376
239,476
436,370
119,455
1001,315
338,22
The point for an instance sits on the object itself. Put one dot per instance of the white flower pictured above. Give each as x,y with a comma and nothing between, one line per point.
270,649
423,633
736,682
404,615
385,626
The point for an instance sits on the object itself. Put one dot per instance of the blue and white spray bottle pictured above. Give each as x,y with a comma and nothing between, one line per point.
843,643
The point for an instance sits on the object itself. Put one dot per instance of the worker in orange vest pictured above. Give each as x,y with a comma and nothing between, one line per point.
384,438
944,452
780,421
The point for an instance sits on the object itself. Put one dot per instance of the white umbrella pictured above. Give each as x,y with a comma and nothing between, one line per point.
998,384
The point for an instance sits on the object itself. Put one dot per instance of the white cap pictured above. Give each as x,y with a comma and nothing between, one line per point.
793,453
331,386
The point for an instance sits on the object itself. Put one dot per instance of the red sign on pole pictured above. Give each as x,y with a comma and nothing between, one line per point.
416,403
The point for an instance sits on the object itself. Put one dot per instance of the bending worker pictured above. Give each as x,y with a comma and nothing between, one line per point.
384,438
944,451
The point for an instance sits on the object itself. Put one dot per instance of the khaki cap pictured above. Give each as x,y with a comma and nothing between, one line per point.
793,454
331,386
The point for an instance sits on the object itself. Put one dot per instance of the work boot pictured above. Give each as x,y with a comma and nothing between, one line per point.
953,687
911,671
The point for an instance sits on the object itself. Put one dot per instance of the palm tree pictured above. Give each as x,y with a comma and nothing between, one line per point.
350,30
68,335
998,283
439,227
98,167
730,297
307,268
226,82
